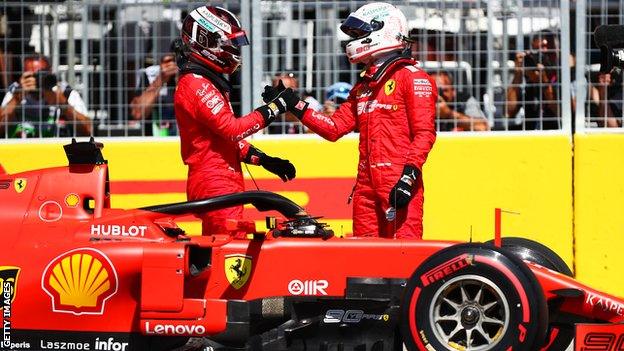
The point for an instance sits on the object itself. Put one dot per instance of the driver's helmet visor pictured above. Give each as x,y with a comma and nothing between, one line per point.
356,28
238,39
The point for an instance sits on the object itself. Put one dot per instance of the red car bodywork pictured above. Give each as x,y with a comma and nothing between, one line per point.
84,267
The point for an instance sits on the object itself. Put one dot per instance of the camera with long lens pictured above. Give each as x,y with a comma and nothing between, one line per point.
531,59
610,40
610,58
45,80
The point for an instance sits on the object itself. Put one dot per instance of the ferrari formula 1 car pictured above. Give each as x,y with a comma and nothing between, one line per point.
76,274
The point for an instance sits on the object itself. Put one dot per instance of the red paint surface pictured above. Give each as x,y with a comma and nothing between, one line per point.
607,337
31,245
497,227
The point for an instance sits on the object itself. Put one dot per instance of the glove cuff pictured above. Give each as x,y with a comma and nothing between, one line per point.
299,109
254,156
268,112
410,172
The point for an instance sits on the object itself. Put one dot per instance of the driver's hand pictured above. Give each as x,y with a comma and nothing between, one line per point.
271,92
280,167
402,192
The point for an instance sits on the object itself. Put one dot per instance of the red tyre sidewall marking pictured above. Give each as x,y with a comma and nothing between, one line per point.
431,277
553,335
523,297
412,319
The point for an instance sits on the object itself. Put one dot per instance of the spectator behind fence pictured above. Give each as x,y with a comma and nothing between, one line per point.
606,99
39,106
532,97
457,112
335,95
287,123
154,101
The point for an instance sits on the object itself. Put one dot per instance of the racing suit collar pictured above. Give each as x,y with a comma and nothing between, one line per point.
218,80
375,72
384,58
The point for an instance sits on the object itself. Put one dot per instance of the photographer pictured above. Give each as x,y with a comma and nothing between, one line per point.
605,99
154,101
37,106
533,90
457,111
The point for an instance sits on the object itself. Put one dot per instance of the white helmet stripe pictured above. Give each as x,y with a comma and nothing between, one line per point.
194,32
203,22
214,19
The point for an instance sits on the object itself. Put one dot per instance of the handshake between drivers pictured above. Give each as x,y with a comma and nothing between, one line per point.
280,100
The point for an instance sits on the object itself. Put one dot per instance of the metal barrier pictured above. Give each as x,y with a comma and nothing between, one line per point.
599,105
501,65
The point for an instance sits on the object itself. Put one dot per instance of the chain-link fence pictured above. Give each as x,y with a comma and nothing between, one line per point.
500,65
470,46
599,105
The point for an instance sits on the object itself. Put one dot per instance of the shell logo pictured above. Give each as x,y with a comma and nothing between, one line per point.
72,200
80,281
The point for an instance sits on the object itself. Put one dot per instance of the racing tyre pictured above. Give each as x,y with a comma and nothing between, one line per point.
535,252
473,297
559,336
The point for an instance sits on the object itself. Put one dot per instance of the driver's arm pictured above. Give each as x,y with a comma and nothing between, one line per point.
246,154
420,94
335,127
214,112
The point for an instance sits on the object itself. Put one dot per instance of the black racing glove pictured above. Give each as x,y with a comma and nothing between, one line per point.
274,106
270,92
402,192
280,167
293,102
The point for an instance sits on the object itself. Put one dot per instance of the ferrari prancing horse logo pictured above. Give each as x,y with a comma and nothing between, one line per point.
237,269
389,86
19,184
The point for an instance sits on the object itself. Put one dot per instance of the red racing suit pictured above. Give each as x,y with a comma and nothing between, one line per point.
212,145
394,110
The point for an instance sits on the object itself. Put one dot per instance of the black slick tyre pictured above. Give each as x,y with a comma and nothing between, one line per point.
473,297
559,336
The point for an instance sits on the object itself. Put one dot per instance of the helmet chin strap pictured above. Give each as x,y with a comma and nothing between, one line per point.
378,61
372,74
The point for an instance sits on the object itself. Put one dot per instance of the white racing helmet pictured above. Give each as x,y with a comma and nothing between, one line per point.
376,29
